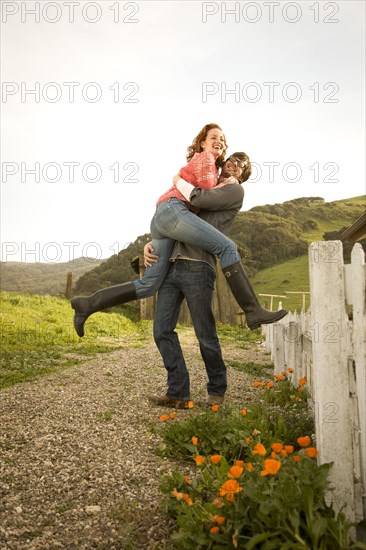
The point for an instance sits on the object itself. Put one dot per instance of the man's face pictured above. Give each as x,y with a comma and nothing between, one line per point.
231,168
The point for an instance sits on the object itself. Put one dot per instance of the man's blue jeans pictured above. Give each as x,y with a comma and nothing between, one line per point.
193,281
173,221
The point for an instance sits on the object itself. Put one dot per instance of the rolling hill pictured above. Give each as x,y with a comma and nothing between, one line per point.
43,278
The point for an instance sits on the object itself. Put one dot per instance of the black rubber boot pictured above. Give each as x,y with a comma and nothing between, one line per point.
242,290
102,299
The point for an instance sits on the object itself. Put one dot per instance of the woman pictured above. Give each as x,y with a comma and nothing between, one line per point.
174,220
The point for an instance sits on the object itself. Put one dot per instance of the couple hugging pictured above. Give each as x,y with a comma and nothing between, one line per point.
186,235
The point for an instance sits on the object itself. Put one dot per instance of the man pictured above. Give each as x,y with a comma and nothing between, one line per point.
191,276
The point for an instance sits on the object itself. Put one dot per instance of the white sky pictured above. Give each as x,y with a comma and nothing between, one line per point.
161,54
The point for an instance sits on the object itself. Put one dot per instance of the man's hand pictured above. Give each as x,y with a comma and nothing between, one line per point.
175,179
149,258
227,181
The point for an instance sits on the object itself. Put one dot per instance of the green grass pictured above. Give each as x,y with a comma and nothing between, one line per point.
38,338
292,275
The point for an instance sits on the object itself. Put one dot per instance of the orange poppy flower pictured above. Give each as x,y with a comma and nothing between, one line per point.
289,449
290,369
283,453
199,460
164,417
277,447
249,466
311,452
194,440
187,480
296,458
187,499
278,376
215,408
283,373
259,449
244,412
172,415
302,381
177,495
239,462
256,384
269,385
230,488
304,441
220,520
190,404
235,471
214,530
215,459
274,455
271,467
300,389
247,440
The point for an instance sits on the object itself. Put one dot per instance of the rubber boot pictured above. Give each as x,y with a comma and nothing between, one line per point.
102,299
242,290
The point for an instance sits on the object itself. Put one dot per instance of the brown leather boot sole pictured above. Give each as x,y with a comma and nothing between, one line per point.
166,401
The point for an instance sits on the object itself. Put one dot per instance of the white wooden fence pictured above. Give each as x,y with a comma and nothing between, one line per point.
327,344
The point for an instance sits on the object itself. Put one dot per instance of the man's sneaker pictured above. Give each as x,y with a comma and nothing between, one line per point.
166,401
215,400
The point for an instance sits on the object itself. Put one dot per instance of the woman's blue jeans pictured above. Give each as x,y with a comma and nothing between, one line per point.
173,221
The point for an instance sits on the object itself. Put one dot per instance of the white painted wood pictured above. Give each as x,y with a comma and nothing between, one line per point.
328,348
331,383
358,284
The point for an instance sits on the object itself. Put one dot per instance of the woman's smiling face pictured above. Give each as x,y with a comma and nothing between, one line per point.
215,142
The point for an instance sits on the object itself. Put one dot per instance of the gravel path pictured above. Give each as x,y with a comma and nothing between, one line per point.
78,467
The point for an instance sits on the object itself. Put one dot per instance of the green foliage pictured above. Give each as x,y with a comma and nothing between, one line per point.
237,336
38,337
263,490
270,238
115,270
251,368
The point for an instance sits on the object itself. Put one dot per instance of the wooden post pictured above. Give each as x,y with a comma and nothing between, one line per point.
279,348
357,277
294,353
330,369
68,291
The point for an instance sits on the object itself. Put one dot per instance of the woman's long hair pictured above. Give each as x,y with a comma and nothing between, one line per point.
196,144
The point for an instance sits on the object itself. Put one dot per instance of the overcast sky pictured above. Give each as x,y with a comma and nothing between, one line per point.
101,99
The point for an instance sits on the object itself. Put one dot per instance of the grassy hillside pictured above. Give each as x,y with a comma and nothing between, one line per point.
43,278
293,275
37,336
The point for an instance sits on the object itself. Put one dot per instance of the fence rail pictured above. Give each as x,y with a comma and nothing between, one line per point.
327,344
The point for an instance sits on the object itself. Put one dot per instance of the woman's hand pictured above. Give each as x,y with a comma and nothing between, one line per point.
175,179
149,258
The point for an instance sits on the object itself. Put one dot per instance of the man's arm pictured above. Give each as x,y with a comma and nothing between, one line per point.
225,197
228,197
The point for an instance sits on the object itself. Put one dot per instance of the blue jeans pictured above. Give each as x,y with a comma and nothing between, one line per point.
193,281
173,221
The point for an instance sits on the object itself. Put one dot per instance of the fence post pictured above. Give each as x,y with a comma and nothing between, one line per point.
358,293
278,348
68,291
329,325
